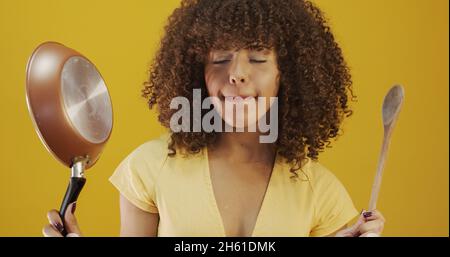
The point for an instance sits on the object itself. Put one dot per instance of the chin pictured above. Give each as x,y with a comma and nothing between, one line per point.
247,125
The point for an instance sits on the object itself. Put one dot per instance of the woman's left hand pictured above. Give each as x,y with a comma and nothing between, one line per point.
369,224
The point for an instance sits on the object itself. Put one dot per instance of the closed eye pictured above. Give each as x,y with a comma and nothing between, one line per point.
220,61
257,61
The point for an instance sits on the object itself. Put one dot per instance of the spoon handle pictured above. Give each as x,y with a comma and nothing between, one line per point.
379,174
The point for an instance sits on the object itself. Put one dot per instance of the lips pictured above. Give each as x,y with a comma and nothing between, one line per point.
239,99
244,97
237,96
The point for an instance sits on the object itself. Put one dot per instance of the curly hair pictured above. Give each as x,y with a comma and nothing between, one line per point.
314,78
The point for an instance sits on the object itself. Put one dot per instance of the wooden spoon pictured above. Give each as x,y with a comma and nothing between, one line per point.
391,108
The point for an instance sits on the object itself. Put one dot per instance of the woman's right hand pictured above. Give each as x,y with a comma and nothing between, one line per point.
55,226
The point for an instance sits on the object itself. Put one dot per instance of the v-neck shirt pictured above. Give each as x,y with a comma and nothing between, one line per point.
180,190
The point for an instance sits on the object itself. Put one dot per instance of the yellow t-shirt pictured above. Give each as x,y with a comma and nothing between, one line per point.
180,190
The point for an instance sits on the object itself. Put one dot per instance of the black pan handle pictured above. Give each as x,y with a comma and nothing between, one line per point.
72,192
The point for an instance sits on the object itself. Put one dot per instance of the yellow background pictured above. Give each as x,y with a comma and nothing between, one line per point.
385,42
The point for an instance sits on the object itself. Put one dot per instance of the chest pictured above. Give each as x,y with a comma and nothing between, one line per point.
239,192
200,198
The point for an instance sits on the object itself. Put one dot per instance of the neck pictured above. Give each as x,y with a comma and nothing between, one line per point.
244,147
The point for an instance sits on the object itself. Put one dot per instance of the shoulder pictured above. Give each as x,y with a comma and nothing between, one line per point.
149,156
333,206
136,177
321,178
318,171
155,150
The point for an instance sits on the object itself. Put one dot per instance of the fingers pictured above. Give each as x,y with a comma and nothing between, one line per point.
369,224
70,220
352,230
374,226
55,220
55,228
374,215
369,234
374,223
72,235
50,231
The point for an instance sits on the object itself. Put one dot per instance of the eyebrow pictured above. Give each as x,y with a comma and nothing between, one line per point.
228,52
219,52
264,51
220,56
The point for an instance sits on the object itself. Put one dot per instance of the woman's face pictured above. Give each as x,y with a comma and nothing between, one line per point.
237,79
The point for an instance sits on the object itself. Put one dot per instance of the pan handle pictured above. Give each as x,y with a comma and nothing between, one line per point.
73,190
76,183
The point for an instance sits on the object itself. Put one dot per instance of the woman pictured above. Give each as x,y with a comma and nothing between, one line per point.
209,182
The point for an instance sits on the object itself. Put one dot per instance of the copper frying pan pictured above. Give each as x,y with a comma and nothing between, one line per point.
71,110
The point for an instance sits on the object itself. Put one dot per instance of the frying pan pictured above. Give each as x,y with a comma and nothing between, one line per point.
71,110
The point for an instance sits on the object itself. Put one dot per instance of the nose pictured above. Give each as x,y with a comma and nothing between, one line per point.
238,73
238,79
